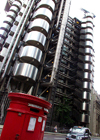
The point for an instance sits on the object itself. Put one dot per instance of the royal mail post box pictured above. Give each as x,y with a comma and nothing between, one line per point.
26,118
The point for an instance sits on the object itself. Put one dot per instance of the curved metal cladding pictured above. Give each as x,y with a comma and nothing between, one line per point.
39,25
82,117
87,85
31,55
22,10
85,106
3,53
81,105
43,13
86,75
25,72
85,118
35,39
86,64
9,21
86,49
7,24
86,96
11,14
47,4
18,19
85,67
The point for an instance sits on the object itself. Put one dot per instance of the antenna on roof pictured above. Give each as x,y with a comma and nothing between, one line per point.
85,11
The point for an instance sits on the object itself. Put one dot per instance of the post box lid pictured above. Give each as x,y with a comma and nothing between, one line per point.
25,98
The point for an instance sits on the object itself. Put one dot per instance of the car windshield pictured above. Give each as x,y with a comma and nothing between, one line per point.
77,130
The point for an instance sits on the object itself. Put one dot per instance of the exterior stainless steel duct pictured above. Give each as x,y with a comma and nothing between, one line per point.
39,25
35,39
30,54
15,39
86,49
25,72
7,45
84,118
86,63
85,95
84,106
7,24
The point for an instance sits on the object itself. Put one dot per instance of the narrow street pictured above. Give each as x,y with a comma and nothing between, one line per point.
53,137
61,137
49,136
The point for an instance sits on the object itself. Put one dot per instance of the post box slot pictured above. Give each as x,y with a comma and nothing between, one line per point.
45,113
34,110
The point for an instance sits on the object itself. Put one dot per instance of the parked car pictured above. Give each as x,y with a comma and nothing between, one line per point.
79,133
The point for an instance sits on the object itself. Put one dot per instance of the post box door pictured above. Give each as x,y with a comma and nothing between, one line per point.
13,126
18,122
32,128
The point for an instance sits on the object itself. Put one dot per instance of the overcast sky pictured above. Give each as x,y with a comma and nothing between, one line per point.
92,6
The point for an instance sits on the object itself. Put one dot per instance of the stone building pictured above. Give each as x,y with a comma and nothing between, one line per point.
95,113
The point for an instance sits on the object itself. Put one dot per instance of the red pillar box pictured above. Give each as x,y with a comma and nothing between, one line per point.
26,118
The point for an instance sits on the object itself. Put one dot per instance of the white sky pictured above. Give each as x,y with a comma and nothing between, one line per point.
92,6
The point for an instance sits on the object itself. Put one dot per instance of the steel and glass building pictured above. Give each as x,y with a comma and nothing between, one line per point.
46,53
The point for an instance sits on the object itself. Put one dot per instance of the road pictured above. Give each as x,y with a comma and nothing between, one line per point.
53,137
61,137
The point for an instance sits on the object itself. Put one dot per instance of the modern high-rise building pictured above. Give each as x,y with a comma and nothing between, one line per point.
46,53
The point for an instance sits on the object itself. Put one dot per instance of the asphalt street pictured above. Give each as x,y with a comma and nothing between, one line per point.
53,136
61,137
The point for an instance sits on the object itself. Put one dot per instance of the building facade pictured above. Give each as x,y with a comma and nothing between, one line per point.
95,113
46,53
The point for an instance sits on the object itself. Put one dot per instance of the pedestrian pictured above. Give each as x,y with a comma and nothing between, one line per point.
70,129
55,128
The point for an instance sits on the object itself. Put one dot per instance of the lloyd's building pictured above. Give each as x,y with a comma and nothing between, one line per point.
46,53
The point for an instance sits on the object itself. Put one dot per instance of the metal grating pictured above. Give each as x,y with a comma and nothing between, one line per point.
4,104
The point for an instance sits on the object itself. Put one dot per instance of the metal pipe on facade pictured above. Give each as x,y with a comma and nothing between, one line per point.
35,91
20,31
12,14
60,40
13,39
61,6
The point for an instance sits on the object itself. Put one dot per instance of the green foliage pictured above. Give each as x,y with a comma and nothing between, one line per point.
63,112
